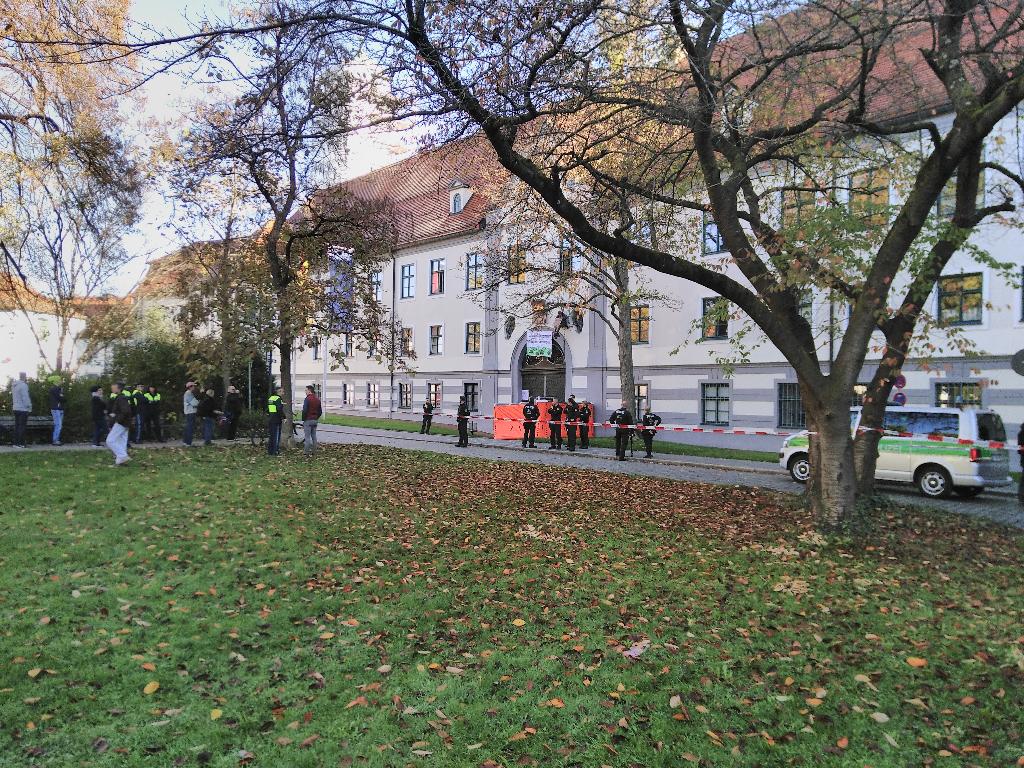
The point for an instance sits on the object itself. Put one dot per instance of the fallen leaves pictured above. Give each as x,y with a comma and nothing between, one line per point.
215,714
879,717
917,662
151,687
518,623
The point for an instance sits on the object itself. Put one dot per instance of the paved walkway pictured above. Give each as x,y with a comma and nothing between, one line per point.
998,505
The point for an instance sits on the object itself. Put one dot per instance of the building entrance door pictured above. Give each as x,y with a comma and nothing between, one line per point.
544,377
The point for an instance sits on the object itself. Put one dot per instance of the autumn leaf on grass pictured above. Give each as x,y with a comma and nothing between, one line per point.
358,701
215,714
518,623
523,734
151,687
556,703
917,662
149,666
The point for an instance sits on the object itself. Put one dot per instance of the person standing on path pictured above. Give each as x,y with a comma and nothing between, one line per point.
555,426
623,421
120,415
312,410
572,415
153,405
99,415
275,416
462,417
207,411
428,417
138,410
191,405
233,410
21,404
530,415
650,422
585,414
57,409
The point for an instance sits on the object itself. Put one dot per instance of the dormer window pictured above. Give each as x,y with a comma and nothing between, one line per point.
458,196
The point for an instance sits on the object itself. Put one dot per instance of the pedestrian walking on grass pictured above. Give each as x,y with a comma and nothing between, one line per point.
207,411
555,426
120,418
57,409
312,410
233,410
428,417
21,404
462,417
650,421
275,415
99,415
190,402
530,415
572,415
623,421
153,405
585,413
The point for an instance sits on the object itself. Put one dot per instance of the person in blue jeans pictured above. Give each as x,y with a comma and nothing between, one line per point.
208,412
191,404
275,415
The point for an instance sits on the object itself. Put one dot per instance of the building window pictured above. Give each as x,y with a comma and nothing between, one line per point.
373,394
404,395
960,299
791,407
945,206
713,242
434,394
869,195
474,271
806,306
640,324
570,260
472,338
957,394
516,266
407,341
714,404
798,206
348,394
641,397
377,284
436,276
314,346
472,392
457,203
436,340
408,282
714,312
349,346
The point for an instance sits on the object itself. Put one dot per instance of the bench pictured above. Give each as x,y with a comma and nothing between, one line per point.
44,423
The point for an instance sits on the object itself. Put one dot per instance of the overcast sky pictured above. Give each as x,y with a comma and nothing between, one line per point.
165,98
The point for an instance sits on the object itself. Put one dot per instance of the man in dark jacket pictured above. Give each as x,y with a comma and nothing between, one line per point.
312,410
572,415
152,405
428,417
651,421
207,412
138,409
555,426
120,417
233,410
57,410
623,421
462,417
99,415
530,415
585,414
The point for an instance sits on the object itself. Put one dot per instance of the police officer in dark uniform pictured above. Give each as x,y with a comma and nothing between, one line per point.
275,415
530,415
462,416
153,404
572,415
623,420
428,417
555,426
650,422
585,413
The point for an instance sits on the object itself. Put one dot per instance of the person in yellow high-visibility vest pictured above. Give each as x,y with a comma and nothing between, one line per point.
275,415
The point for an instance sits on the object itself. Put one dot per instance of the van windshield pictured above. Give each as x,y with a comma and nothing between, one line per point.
990,427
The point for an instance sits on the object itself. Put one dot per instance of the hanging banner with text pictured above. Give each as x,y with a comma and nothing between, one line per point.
538,343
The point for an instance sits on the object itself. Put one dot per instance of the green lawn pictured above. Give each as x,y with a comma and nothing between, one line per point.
375,607
660,446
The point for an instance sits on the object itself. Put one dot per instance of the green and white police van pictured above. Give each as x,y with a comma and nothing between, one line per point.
936,468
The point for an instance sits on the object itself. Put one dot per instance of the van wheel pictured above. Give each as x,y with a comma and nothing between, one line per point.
800,468
934,482
968,491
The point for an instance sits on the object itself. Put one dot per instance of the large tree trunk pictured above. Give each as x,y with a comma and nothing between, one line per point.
832,487
286,344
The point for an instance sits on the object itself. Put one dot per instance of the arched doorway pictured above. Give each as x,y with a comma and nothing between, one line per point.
541,376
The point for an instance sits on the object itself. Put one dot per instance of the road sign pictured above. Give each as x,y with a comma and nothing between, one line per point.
1017,363
901,382
900,398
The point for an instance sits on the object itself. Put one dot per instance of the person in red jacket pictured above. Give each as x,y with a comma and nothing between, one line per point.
311,413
